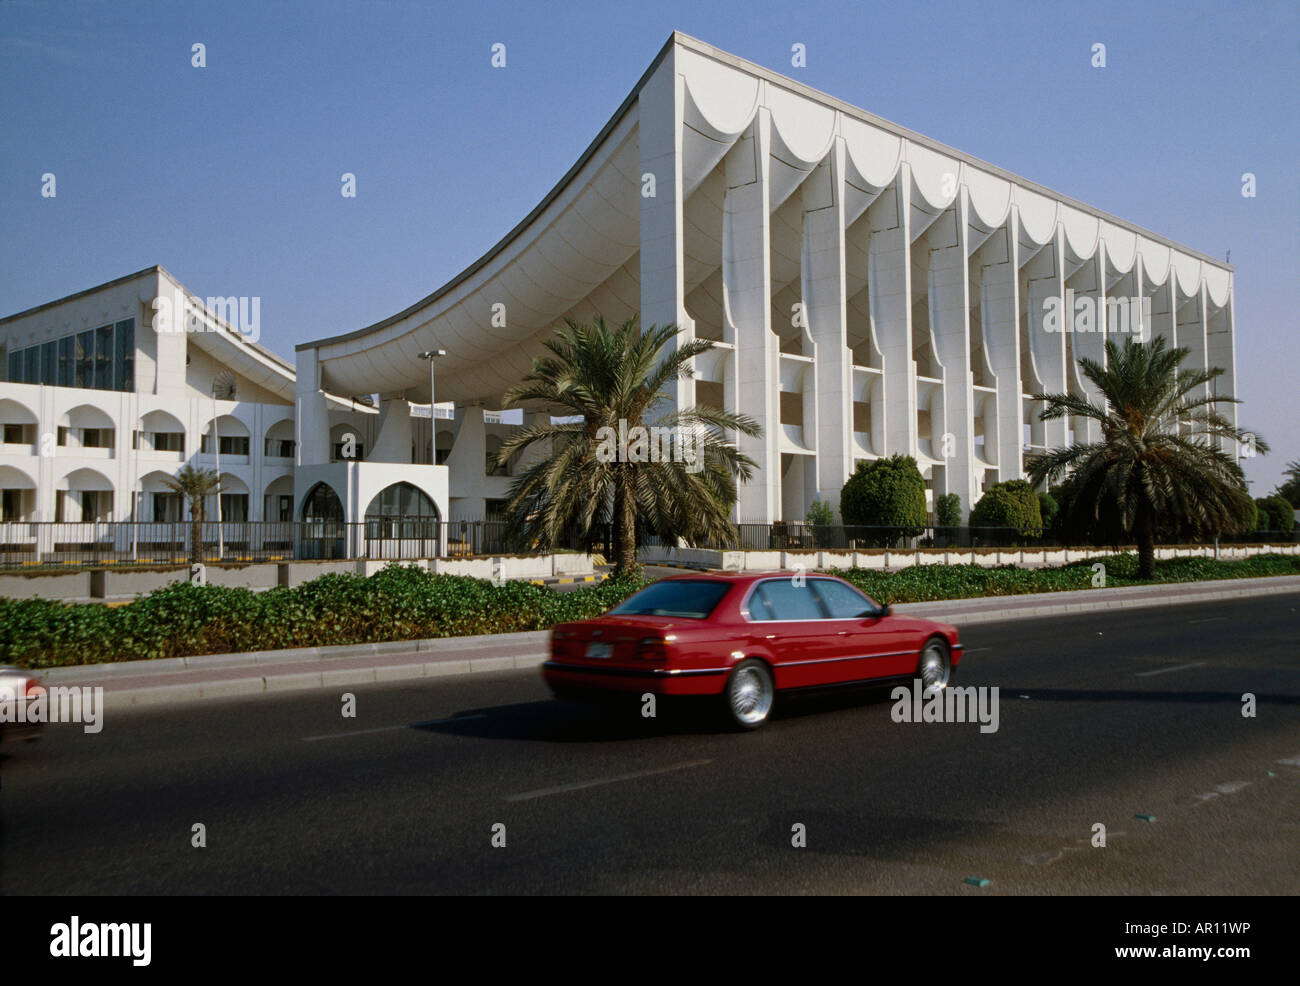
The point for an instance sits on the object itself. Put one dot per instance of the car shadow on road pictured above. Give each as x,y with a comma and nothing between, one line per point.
556,721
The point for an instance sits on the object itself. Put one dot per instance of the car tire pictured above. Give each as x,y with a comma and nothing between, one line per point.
749,694
935,666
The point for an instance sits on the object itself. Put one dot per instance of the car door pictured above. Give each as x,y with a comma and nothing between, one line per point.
864,643
788,621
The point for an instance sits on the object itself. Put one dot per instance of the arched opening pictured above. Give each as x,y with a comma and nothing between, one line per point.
323,529
322,504
402,522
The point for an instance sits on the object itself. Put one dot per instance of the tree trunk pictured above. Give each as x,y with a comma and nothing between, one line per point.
196,535
624,524
1146,539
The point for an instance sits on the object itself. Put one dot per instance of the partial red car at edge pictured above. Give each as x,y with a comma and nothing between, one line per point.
746,638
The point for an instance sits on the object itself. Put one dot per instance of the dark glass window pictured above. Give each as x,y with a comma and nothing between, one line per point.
67,361
104,358
781,599
49,363
124,355
688,598
85,359
234,507
844,602
322,503
15,367
32,365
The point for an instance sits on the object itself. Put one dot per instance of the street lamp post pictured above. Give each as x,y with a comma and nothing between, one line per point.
432,355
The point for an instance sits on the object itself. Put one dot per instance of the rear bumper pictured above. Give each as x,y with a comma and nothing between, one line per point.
567,678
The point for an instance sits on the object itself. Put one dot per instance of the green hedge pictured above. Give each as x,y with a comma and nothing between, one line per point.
930,582
407,603
397,603
1011,504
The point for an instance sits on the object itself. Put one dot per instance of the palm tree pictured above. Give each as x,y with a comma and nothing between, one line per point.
1290,490
614,379
1149,468
194,484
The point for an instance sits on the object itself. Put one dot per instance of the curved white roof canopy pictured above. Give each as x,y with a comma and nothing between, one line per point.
577,253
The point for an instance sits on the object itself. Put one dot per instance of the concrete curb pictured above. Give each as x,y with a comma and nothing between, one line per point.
530,646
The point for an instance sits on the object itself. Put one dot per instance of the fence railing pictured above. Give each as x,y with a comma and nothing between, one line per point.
57,543
54,543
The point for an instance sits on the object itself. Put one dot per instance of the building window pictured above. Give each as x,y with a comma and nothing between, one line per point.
96,437
67,361
100,359
19,434
167,507
322,503
85,357
401,511
228,445
234,508
280,448
11,505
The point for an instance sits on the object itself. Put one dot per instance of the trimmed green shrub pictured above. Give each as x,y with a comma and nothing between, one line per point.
1275,514
947,510
820,514
1011,504
886,493
1049,508
397,603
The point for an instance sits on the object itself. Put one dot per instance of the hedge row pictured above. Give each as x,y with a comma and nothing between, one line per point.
181,619
923,583
408,603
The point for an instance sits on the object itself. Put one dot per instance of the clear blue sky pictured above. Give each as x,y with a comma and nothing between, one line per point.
228,176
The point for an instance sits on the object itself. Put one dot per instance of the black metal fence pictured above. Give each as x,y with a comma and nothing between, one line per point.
120,543
26,544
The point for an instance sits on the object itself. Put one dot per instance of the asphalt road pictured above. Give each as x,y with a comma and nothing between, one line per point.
1102,717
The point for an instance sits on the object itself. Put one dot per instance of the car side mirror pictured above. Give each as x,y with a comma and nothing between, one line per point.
884,611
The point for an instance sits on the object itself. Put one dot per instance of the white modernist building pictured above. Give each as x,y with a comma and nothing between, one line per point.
869,291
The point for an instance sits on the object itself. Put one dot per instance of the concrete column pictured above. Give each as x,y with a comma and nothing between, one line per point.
950,314
467,462
1047,280
747,293
659,147
829,429
394,441
891,311
311,418
1001,320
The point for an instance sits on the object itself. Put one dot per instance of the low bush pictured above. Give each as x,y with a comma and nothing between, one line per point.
181,619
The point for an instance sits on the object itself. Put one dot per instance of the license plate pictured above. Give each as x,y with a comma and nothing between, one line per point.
599,650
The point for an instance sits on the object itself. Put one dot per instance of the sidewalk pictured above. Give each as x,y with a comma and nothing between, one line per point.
217,676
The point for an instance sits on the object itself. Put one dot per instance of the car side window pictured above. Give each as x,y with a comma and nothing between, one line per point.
844,602
781,599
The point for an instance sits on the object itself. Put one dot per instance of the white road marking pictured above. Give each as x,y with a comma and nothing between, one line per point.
389,729
581,785
1180,667
1208,619
1291,761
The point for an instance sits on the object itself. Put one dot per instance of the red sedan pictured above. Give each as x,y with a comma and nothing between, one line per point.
746,637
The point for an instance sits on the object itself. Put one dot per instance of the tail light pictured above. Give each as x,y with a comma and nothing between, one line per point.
655,648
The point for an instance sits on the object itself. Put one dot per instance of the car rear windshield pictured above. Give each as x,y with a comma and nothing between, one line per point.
685,598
